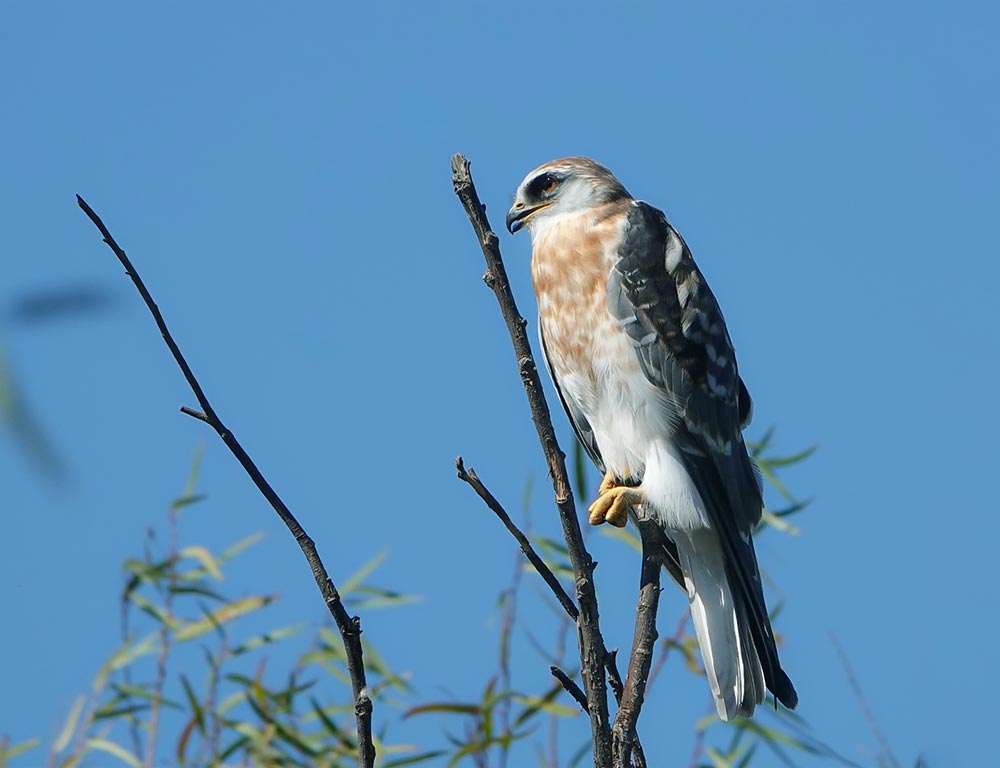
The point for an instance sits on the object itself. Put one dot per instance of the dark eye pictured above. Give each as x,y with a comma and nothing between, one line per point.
543,185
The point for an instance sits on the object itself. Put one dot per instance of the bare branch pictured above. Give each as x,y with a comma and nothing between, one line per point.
350,627
592,650
469,476
571,687
624,729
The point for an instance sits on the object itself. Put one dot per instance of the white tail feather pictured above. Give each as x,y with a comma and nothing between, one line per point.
731,662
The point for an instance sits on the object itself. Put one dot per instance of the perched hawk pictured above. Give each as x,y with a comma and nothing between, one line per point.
639,352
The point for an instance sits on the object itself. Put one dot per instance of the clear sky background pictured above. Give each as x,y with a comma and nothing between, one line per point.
280,175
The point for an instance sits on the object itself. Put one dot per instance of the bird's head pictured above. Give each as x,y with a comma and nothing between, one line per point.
562,187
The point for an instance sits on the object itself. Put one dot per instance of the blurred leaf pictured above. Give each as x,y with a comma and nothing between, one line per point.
222,615
626,535
129,652
444,706
366,570
103,745
196,709
535,704
378,598
59,303
774,521
579,469
6,753
110,713
69,728
28,432
422,758
203,556
795,458
266,639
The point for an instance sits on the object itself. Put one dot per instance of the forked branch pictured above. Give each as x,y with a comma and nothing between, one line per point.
591,643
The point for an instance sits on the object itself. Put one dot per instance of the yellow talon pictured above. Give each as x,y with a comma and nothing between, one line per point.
607,484
613,504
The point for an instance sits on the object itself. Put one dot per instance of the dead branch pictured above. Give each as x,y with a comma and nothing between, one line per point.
591,643
630,703
350,627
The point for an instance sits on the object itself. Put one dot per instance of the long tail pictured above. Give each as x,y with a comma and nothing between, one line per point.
733,666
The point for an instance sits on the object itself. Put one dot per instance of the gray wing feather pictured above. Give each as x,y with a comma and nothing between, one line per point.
665,307
663,304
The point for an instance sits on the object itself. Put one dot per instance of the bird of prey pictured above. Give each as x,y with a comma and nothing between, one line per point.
642,361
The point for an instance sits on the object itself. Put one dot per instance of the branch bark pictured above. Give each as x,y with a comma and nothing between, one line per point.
350,627
591,643
624,739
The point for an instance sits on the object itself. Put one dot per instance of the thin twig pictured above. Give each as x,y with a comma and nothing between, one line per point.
350,627
624,728
863,703
571,687
592,650
469,476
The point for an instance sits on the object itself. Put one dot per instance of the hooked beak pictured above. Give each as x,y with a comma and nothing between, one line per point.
519,213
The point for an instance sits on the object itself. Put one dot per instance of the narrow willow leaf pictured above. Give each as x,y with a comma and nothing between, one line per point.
239,546
267,638
125,655
774,736
795,458
547,704
196,709
622,534
62,740
718,761
18,749
136,691
103,745
445,706
151,609
111,712
778,523
422,758
203,556
186,501
356,579
222,615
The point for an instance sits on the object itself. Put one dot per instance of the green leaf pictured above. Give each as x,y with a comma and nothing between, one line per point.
453,707
358,577
69,728
774,521
203,556
129,652
626,535
196,709
103,745
18,749
111,712
266,639
422,758
222,615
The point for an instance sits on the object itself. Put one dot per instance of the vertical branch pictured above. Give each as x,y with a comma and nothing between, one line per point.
588,628
350,627
624,730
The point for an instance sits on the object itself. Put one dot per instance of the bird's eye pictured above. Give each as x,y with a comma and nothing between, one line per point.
543,185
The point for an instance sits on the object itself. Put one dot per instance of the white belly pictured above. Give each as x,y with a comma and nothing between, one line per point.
633,423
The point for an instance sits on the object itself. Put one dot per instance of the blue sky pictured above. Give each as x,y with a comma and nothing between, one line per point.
280,176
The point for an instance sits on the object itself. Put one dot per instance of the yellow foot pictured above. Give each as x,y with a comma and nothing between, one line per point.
607,484
613,504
